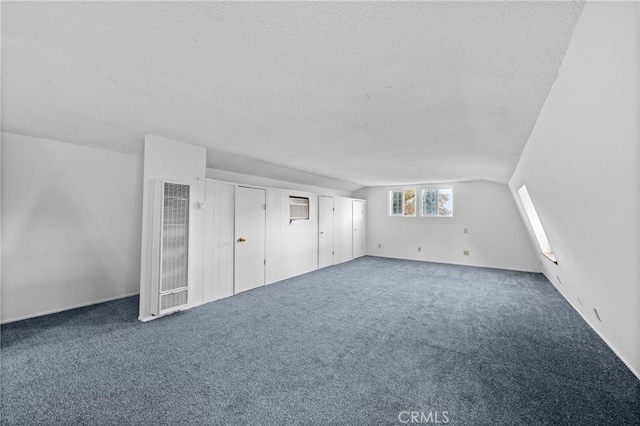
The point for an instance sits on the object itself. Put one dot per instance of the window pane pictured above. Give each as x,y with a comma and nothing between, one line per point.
410,202
534,220
396,202
429,202
445,202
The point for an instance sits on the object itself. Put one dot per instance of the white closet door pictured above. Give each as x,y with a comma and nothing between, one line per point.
325,232
343,236
358,229
250,230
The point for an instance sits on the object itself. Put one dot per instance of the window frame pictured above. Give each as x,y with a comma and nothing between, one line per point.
402,191
535,223
437,189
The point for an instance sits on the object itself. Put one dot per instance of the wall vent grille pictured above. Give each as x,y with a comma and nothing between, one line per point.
175,237
298,208
171,238
171,300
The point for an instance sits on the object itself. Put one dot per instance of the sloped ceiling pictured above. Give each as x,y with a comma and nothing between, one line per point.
371,94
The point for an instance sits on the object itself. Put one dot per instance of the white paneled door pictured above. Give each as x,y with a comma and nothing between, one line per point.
249,238
358,228
343,230
325,232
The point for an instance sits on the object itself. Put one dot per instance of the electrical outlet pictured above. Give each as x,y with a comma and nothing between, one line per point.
379,245
419,248
466,230
466,252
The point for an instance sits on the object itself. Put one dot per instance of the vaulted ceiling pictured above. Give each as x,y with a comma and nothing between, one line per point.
370,93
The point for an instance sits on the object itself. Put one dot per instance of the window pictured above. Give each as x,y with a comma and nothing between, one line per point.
437,202
396,202
536,225
402,202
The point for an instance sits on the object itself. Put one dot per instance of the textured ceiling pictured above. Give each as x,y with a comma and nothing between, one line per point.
368,93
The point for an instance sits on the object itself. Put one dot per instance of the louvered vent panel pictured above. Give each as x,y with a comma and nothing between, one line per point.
175,237
171,300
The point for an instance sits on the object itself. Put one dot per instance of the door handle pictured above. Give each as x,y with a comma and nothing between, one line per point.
321,233
241,240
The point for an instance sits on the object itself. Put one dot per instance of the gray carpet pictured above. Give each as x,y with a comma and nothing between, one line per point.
362,343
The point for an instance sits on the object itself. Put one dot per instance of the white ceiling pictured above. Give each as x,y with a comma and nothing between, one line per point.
374,93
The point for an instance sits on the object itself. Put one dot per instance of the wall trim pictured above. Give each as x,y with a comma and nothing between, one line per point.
457,264
80,305
629,366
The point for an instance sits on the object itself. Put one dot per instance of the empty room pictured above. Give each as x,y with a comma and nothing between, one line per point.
320,213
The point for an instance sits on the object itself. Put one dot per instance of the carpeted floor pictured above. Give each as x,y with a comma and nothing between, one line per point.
362,343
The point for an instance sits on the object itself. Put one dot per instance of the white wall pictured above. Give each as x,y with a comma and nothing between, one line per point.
580,167
496,237
1,137
71,226
182,163
291,248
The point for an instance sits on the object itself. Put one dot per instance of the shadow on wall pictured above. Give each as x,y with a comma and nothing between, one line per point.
58,242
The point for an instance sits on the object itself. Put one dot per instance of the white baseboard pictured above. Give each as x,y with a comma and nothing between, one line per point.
55,311
628,364
147,319
454,263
